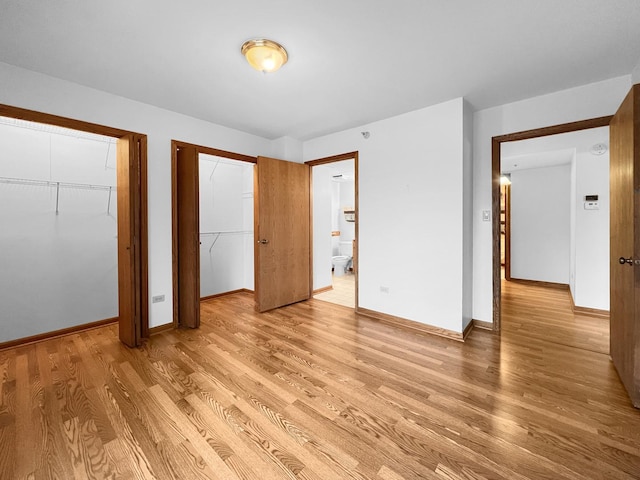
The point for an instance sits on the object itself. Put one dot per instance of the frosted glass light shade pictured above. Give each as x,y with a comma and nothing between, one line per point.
264,55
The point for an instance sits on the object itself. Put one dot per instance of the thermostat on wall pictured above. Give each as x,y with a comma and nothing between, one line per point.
591,202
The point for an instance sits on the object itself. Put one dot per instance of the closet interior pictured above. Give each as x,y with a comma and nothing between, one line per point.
58,241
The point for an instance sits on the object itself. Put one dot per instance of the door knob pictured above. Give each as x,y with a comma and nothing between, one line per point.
263,241
623,260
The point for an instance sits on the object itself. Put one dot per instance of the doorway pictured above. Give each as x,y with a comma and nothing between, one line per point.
334,183
555,198
197,241
127,245
497,146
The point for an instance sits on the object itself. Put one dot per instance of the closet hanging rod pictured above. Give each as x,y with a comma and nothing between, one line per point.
47,183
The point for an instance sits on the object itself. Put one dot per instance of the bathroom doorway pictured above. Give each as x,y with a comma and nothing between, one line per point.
334,183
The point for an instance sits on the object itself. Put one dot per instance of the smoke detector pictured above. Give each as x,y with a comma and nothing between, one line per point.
599,149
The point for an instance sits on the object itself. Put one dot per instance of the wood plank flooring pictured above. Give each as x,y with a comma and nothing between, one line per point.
313,391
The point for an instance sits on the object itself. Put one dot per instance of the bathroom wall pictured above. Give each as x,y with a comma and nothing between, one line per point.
347,200
226,223
540,224
58,270
324,222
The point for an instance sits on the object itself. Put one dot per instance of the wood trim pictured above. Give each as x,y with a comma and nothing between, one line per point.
40,117
188,236
482,325
160,329
356,245
495,189
322,290
311,292
589,312
174,230
144,235
224,294
410,325
334,158
215,151
556,129
57,333
467,330
495,228
539,283
507,232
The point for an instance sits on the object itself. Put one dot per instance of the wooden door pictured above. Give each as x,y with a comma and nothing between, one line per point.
282,233
129,253
188,237
624,247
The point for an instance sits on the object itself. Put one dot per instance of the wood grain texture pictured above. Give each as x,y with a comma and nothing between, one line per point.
187,232
282,216
316,391
624,178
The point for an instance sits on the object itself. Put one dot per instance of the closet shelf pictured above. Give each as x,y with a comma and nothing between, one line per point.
49,183
58,186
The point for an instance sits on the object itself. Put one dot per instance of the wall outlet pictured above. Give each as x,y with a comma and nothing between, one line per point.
157,299
384,289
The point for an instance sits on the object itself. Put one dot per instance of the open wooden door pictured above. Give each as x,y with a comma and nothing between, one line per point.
625,242
129,248
282,233
188,237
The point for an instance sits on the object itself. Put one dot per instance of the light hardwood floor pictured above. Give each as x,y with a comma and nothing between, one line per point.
314,391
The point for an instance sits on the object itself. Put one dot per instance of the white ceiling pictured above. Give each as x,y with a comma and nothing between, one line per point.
351,61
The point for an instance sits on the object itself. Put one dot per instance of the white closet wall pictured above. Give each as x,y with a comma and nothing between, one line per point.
59,268
226,225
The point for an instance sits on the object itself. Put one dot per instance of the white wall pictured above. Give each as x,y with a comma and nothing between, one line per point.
572,226
540,224
26,89
411,197
225,264
57,270
322,226
286,148
588,101
592,230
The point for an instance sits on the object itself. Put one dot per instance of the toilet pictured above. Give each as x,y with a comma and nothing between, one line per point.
343,261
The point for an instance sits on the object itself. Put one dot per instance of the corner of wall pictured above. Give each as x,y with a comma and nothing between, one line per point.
635,74
287,148
467,214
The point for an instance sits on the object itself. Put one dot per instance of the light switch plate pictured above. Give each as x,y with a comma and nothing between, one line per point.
486,215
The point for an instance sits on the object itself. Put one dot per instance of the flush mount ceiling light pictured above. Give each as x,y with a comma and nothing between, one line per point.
264,55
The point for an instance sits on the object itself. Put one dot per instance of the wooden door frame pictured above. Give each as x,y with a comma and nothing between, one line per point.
356,258
507,231
138,211
175,145
496,143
